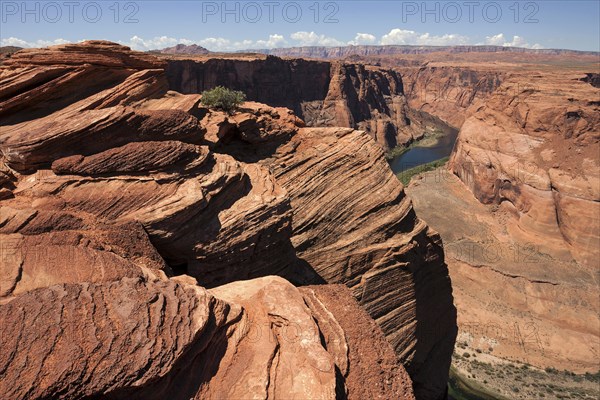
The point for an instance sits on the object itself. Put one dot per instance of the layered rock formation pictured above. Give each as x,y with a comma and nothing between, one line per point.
539,156
115,189
517,300
322,93
243,339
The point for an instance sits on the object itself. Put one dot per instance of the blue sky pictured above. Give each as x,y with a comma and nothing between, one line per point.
235,25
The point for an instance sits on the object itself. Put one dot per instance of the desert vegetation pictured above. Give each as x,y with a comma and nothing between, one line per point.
483,376
407,175
222,98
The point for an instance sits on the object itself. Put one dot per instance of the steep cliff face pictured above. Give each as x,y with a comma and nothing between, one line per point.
449,92
116,194
536,148
321,93
524,183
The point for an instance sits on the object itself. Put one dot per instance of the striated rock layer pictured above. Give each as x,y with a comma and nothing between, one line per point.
112,191
516,299
183,342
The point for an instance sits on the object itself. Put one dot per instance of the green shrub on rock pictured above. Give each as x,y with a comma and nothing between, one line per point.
223,99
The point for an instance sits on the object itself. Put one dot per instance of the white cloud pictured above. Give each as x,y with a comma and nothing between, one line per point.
159,42
517,41
13,41
216,44
363,38
408,37
496,40
211,43
273,41
312,39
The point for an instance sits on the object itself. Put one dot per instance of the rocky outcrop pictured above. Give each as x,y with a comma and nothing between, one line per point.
371,243
539,154
184,342
321,93
352,331
592,78
7,51
119,192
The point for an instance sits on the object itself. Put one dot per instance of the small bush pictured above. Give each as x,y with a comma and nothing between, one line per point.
222,98
466,355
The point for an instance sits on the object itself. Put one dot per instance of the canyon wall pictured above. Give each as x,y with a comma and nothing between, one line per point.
321,93
128,210
536,149
448,91
524,181
524,262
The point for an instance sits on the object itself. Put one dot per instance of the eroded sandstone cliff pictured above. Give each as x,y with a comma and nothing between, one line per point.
116,190
524,183
535,149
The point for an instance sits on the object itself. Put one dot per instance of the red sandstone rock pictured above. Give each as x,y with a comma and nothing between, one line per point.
371,243
118,193
95,52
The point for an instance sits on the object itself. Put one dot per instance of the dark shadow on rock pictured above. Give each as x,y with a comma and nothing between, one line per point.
436,322
250,152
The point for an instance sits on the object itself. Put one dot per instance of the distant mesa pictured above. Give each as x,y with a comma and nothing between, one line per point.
184,49
7,51
374,50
